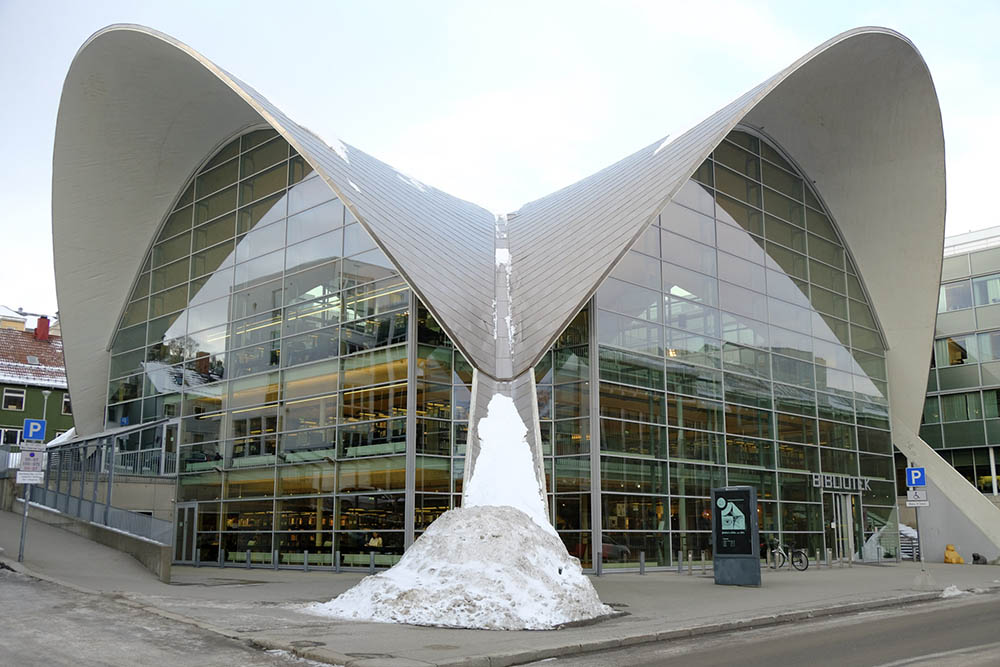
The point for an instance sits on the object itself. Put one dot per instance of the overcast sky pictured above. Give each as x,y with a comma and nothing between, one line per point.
495,102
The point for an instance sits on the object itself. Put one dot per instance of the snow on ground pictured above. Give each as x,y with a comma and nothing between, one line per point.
952,591
907,531
495,564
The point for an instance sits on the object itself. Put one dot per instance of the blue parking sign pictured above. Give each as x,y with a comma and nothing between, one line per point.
916,477
34,429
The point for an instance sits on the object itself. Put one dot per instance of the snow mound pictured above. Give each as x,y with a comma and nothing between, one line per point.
486,567
952,592
505,471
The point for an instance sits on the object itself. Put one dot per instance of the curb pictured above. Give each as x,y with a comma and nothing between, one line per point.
325,655
523,657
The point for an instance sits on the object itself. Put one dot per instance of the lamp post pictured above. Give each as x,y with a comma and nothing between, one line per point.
27,487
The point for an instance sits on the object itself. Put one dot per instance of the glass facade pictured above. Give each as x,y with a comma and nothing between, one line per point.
736,345
270,327
961,416
321,408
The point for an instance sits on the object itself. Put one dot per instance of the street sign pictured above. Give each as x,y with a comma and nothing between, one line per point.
27,477
916,477
34,429
917,498
31,460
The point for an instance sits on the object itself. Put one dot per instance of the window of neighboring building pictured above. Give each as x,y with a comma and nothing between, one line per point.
986,290
10,436
956,350
961,407
955,296
13,399
67,407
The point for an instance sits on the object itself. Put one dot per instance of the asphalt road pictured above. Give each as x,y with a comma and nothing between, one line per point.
962,631
46,624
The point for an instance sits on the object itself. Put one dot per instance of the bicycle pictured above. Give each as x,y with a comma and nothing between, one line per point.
798,557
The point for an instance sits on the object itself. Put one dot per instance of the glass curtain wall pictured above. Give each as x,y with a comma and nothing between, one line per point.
733,345
268,323
737,346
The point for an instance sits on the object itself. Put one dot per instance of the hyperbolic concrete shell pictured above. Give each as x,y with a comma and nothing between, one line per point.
859,113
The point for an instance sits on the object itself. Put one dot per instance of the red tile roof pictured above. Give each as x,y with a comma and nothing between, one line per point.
15,348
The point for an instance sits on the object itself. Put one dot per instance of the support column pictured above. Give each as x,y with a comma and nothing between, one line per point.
993,469
524,394
62,455
596,511
409,503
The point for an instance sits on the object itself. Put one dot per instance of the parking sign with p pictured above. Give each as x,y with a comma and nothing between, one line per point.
34,429
916,477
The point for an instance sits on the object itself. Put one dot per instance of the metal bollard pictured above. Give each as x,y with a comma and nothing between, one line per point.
222,557
690,562
680,561
599,565
197,557
768,556
817,558
336,561
305,561
371,562
642,562
248,559
274,559
703,561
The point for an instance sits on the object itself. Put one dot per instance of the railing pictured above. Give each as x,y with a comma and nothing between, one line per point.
909,548
134,523
144,462
8,460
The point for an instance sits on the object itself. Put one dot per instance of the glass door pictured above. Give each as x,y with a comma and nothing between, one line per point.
842,525
184,535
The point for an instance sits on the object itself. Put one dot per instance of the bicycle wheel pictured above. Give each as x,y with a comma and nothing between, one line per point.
800,561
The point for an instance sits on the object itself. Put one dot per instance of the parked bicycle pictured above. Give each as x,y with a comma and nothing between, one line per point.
783,553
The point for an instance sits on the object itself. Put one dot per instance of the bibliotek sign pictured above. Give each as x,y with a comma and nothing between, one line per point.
841,482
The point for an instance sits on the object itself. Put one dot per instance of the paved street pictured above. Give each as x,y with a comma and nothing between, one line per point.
949,633
266,606
47,624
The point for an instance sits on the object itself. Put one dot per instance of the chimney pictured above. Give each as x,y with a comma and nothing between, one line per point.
42,328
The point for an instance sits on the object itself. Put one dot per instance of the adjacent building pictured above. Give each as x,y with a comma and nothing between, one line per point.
306,336
31,363
962,410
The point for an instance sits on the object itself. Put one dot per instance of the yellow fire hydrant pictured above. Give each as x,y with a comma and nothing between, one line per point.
952,556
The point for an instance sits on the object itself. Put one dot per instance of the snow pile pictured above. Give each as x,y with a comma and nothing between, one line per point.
495,564
505,471
491,568
907,531
952,591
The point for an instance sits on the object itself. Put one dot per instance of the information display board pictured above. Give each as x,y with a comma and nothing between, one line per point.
736,536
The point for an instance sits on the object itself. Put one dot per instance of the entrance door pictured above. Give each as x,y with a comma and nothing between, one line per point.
842,517
184,527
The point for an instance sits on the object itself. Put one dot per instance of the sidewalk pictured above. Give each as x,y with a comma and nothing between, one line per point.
264,606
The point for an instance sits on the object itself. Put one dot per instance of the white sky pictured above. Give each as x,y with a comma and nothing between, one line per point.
498,103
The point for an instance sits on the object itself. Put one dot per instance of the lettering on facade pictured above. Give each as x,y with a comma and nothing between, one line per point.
841,482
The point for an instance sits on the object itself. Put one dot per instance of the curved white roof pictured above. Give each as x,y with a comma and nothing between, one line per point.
859,113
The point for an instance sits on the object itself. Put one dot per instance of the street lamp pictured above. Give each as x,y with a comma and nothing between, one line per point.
45,404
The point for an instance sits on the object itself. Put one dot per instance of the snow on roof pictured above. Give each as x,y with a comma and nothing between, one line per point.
15,368
30,319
